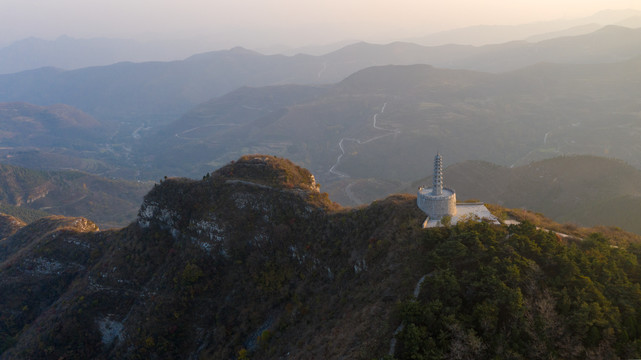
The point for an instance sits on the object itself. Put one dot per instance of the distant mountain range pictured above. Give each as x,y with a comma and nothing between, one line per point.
71,53
157,92
537,31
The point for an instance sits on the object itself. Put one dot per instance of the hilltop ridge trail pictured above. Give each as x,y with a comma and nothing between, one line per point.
401,327
341,174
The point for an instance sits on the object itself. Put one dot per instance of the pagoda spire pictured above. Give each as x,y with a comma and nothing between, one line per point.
437,188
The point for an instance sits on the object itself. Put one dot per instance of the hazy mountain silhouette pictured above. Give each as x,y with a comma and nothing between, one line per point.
70,53
573,31
157,92
495,34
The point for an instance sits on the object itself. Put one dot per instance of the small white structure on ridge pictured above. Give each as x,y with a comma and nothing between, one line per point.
438,202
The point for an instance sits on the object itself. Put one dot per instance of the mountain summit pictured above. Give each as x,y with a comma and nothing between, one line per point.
253,261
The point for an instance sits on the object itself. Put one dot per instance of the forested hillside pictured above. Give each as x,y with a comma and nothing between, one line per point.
254,262
518,292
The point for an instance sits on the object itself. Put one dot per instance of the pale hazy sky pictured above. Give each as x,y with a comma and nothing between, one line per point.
270,22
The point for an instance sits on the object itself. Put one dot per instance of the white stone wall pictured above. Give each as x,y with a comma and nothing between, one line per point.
437,206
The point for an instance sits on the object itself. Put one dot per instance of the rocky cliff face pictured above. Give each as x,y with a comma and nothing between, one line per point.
255,190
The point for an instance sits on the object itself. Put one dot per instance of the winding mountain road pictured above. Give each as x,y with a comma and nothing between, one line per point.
341,174
360,142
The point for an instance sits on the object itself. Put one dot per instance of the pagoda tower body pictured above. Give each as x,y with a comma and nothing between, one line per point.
437,201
